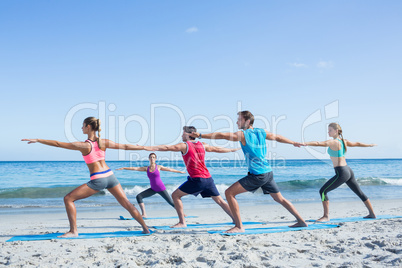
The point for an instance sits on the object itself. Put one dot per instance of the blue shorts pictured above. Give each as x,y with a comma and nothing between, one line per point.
103,183
195,186
266,181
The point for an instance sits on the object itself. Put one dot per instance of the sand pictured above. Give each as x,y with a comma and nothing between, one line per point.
355,244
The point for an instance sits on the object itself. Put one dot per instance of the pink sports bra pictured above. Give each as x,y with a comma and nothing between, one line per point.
95,154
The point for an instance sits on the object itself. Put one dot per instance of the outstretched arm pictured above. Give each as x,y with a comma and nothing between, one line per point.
281,139
217,149
230,136
113,145
170,169
133,168
318,143
358,144
180,147
78,146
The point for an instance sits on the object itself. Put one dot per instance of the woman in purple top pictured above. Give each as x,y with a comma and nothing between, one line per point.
157,186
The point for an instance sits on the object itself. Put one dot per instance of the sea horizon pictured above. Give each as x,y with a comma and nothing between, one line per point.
210,160
44,183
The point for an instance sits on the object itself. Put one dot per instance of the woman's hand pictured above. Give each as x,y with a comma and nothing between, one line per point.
298,144
31,140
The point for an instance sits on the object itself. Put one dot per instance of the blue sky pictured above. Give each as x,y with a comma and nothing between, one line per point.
282,60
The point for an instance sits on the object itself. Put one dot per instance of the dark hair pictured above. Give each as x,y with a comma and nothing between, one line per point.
190,129
152,154
95,125
247,115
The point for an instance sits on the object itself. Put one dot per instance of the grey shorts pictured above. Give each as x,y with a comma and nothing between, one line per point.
103,183
266,181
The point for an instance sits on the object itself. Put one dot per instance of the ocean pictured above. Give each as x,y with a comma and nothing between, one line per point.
27,185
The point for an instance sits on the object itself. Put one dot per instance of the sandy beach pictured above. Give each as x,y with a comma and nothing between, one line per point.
354,244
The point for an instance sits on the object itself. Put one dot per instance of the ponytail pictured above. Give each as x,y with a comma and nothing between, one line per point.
343,140
336,126
99,135
95,125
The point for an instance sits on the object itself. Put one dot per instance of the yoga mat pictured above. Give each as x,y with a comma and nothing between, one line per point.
80,236
354,219
157,218
208,225
278,229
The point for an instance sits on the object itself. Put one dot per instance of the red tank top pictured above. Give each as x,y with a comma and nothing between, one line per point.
194,159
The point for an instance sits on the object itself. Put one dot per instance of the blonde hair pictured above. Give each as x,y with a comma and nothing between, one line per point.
337,127
96,126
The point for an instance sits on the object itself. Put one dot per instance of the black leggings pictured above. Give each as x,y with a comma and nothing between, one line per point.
149,192
344,174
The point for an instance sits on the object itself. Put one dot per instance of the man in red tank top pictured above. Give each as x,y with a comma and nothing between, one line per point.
199,180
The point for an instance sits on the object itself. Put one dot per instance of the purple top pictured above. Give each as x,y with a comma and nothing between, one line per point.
155,180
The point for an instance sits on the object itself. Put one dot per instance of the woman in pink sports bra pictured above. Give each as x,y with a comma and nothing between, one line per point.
157,186
93,151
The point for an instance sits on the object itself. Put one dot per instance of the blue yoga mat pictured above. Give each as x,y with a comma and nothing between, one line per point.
208,225
354,219
157,218
279,229
80,236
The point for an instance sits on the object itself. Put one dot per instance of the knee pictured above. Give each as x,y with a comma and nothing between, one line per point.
321,191
139,199
229,193
68,198
175,195
279,199
323,195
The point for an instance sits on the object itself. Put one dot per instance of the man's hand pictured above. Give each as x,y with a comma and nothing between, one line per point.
298,144
195,135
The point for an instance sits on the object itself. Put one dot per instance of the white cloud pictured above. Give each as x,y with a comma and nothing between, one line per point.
192,30
325,64
298,65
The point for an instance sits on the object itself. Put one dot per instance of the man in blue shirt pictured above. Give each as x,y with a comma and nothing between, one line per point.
252,141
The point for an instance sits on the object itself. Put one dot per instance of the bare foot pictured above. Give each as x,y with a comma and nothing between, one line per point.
179,225
299,224
235,230
144,216
146,231
323,219
69,234
370,216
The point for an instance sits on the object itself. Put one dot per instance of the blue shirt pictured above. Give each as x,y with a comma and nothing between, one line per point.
255,151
